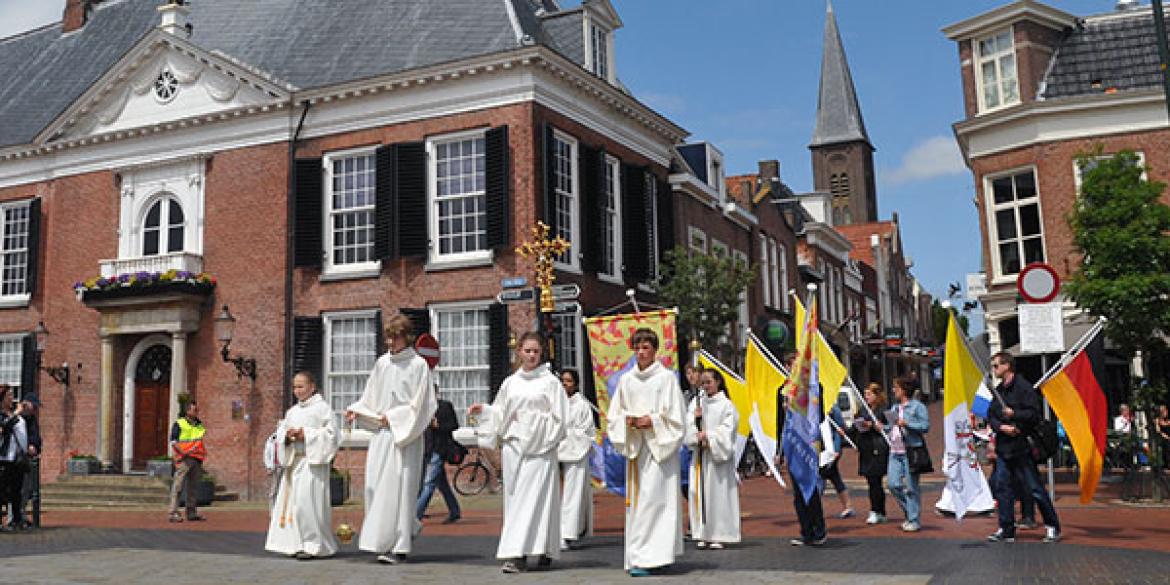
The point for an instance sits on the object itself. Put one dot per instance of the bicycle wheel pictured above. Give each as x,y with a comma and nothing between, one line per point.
471,478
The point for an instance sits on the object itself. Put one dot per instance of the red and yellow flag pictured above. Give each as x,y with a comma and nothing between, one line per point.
1079,403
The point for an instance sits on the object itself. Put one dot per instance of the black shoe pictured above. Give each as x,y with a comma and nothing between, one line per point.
1001,536
512,567
451,519
545,562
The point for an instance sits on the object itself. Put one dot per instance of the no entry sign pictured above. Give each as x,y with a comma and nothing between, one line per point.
1038,283
428,348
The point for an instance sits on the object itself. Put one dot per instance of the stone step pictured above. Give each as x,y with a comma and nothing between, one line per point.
101,488
97,504
112,479
109,496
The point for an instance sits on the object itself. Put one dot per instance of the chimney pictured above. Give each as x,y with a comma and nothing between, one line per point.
76,13
769,169
174,18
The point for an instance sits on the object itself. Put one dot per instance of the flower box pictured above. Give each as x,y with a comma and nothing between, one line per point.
139,291
101,288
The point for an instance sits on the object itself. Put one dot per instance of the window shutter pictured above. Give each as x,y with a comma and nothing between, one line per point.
34,246
420,319
309,346
635,241
379,334
497,186
28,365
499,354
550,198
385,205
591,244
665,219
308,212
410,191
587,388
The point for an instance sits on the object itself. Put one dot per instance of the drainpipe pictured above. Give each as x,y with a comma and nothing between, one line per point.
289,264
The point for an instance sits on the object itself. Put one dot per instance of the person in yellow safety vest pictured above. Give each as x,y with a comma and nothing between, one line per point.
189,452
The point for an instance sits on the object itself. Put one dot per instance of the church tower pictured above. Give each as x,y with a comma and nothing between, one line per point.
842,155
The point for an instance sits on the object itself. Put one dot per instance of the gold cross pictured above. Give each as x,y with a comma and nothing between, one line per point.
540,251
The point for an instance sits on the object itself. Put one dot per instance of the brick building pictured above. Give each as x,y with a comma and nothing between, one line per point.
1041,87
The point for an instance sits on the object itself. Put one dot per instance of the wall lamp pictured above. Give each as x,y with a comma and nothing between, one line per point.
61,374
225,325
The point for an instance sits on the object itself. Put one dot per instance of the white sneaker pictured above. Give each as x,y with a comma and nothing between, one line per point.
873,518
911,527
564,544
1051,534
701,544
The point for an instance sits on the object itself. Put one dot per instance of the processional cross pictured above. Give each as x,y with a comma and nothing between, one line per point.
540,251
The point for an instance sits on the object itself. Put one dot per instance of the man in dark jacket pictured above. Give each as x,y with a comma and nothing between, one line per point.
1013,415
31,411
439,445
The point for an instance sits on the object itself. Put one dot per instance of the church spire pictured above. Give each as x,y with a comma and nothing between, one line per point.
838,113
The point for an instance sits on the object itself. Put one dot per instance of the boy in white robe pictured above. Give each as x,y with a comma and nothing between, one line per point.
573,453
527,421
714,487
396,406
645,424
306,441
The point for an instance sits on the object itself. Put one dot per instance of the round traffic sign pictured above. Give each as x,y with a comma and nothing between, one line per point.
427,347
1038,283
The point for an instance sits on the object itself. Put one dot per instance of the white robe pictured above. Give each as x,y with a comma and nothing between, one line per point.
400,389
654,533
573,453
302,520
527,422
713,500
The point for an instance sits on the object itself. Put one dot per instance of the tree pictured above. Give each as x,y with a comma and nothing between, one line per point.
1121,229
706,290
939,315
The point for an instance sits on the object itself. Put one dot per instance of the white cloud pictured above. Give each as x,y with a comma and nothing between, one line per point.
937,156
17,16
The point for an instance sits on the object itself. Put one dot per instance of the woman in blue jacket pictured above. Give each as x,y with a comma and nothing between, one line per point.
908,423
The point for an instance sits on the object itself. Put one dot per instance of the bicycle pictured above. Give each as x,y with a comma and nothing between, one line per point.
475,474
752,464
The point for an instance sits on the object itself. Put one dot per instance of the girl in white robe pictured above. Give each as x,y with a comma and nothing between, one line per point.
527,422
713,497
306,440
396,406
645,424
573,453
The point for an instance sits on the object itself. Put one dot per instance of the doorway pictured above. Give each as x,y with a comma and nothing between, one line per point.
151,405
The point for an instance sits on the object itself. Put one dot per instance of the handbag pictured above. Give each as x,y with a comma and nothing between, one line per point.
456,454
918,459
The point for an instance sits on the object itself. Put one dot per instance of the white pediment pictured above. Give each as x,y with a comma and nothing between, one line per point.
163,81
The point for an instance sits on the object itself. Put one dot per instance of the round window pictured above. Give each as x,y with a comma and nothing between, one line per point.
166,86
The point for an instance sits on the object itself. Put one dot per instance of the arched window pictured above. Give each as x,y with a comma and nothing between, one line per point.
162,230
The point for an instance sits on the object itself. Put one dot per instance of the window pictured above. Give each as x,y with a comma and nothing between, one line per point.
839,190
767,272
166,86
599,50
459,217
349,205
697,240
162,230
565,190
611,219
652,197
11,359
567,342
1015,222
838,295
15,252
996,74
780,273
1079,173
351,348
462,374
718,249
742,316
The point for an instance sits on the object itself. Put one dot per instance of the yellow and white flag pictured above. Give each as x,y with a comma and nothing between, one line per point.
737,391
966,489
764,380
832,371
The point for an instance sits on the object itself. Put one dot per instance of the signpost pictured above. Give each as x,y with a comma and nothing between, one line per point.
1041,326
516,296
514,282
566,292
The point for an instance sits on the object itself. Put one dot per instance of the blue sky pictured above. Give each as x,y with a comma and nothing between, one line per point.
743,74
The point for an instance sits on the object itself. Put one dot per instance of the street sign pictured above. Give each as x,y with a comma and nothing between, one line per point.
1041,328
567,307
566,292
516,295
976,285
1038,283
427,347
514,282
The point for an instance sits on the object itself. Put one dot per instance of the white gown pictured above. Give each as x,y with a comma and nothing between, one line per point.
573,453
654,532
399,388
527,422
302,520
713,494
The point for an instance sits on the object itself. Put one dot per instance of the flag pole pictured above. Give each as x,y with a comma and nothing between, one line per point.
1072,352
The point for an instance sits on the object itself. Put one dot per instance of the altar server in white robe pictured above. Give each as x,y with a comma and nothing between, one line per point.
527,423
396,406
573,453
306,440
645,424
713,497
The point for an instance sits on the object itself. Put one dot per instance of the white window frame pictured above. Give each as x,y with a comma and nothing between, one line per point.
766,270
358,437
435,257
575,239
651,190
357,269
839,295
1078,176
14,382
743,314
578,340
696,234
719,249
18,299
163,197
614,166
780,276
592,29
978,59
476,305
992,228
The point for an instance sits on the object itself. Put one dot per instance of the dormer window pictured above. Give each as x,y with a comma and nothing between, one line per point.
599,50
996,71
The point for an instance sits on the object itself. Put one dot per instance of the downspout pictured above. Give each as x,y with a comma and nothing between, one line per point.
289,261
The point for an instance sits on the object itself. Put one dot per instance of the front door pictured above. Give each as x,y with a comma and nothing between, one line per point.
151,406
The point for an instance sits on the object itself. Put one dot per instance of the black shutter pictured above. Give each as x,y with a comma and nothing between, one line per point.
28,365
665,219
497,170
635,224
591,242
499,354
309,346
308,213
587,388
410,191
34,246
379,334
420,319
550,179
385,206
